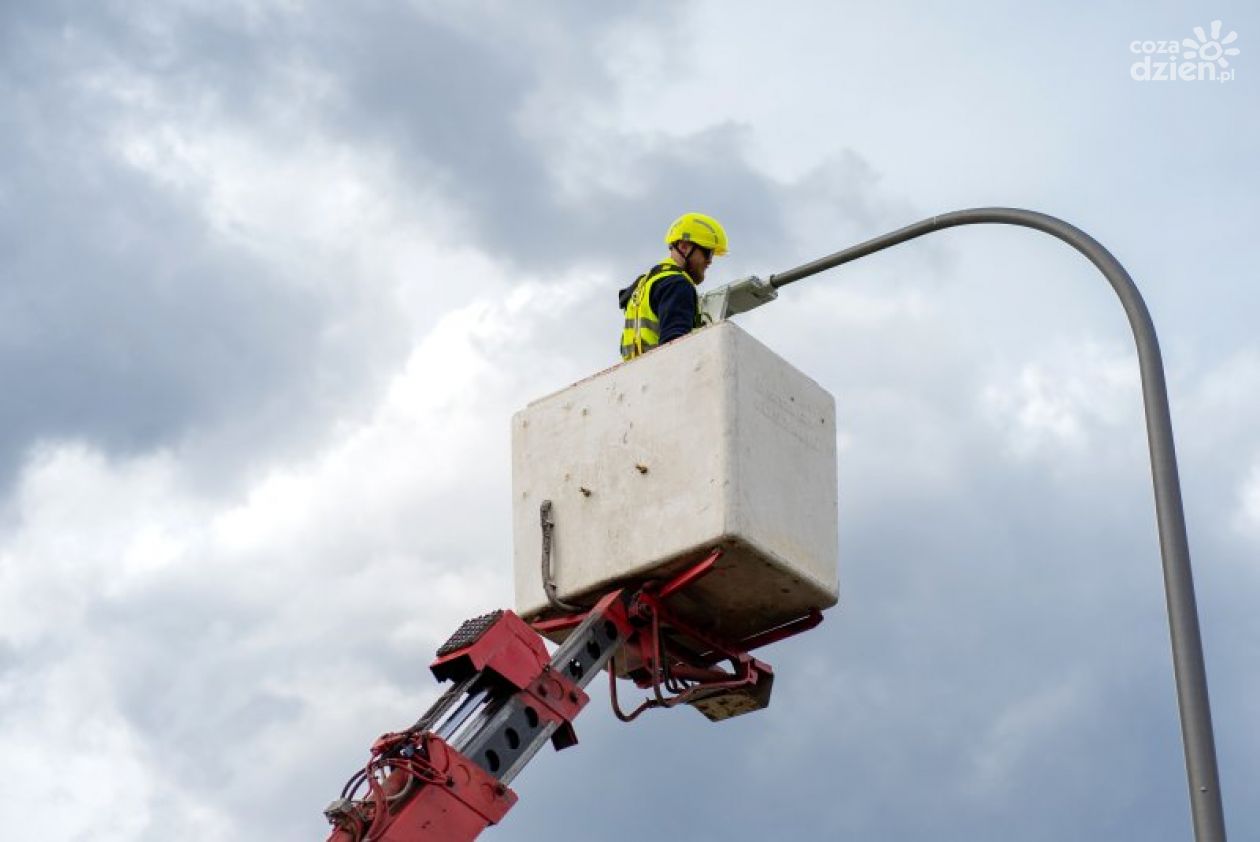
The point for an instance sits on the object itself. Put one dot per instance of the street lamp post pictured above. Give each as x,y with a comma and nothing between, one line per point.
1183,619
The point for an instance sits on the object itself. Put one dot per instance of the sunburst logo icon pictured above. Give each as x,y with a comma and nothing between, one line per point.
1214,48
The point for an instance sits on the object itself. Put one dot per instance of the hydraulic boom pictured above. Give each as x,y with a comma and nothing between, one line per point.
446,778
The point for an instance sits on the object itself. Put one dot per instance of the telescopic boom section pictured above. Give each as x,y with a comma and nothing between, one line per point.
445,779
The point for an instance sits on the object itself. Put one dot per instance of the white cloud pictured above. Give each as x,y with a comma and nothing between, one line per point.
86,530
79,767
248,618
1247,517
326,215
1064,404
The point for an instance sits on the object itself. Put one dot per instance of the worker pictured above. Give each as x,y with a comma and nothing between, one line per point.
662,304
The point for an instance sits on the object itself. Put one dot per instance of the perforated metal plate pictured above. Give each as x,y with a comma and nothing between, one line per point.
469,633
731,703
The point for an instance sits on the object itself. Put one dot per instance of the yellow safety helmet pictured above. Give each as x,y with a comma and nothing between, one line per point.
704,231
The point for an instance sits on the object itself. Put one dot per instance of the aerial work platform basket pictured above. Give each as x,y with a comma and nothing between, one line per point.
709,442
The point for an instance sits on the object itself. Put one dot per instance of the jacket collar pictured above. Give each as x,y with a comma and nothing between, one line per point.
669,261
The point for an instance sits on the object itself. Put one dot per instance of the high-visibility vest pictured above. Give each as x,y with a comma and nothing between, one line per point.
642,331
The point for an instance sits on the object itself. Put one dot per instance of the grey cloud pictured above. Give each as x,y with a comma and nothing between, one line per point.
124,325
449,104
128,324
124,321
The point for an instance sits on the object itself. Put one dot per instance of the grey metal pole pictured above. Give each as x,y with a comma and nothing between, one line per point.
1183,618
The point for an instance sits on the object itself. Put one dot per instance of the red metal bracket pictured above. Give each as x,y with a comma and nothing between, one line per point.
677,660
419,788
501,642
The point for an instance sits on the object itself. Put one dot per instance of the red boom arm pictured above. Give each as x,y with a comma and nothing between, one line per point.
445,779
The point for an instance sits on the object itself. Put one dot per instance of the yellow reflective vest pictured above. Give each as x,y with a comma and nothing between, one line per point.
642,331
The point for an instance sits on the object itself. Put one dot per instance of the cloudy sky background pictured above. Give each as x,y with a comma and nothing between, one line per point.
274,277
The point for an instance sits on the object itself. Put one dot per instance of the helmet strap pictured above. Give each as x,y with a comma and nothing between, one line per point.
685,262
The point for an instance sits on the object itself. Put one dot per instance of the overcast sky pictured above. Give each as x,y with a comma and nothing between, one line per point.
274,276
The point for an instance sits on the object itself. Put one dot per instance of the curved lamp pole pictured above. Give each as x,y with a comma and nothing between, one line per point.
1183,618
